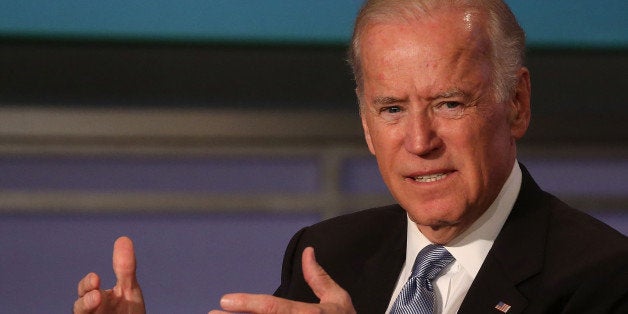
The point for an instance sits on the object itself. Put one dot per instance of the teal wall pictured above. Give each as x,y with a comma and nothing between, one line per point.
548,23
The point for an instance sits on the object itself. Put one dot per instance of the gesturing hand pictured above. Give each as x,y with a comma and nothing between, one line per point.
333,298
124,297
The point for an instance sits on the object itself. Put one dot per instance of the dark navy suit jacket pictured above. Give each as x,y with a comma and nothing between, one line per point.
548,258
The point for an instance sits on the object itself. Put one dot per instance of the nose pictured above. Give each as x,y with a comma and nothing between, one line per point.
421,136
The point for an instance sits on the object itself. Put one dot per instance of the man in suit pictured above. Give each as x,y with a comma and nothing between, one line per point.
444,97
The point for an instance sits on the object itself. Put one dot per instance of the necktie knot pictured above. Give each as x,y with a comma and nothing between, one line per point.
417,295
429,263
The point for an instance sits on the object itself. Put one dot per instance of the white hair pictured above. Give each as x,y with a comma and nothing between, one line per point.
506,37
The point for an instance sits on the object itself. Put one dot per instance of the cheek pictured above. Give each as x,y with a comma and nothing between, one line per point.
386,148
476,148
491,132
383,140
385,154
494,150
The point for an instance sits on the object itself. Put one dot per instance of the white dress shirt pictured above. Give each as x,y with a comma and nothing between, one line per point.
469,249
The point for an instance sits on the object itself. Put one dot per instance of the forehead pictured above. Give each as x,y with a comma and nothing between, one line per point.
446,21
448,45
453,29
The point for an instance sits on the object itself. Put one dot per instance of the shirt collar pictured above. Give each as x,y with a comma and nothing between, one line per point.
471,247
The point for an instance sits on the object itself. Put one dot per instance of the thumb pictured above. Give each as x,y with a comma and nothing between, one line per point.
325,288
124,263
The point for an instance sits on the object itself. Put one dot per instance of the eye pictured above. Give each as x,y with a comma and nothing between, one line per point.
391,113
452,104
450,109
391,109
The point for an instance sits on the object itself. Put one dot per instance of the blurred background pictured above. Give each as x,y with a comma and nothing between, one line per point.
211,131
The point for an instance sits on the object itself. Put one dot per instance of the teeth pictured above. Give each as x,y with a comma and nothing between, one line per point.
430,178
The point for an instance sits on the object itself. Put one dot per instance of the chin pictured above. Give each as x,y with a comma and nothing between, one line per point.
442,209
434,221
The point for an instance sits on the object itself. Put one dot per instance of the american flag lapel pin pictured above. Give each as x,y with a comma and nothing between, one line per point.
502,307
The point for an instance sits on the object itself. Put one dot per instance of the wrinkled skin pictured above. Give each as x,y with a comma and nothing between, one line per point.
444,144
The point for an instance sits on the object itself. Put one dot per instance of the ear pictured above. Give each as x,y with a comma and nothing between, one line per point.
520,111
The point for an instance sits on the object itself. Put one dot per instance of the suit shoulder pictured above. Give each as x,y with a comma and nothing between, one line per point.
580,246
583,256
583,230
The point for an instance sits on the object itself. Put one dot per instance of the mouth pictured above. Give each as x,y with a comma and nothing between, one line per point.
430,178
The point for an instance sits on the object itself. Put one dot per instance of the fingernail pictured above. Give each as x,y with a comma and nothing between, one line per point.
226,301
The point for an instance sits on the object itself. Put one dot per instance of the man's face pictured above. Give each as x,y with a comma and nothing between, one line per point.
443,144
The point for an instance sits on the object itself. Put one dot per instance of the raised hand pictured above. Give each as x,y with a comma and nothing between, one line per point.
124,297
333,298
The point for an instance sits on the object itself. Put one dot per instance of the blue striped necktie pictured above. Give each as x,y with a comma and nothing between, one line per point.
417,295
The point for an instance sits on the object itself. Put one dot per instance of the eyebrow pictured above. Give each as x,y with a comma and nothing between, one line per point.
449,94
386,100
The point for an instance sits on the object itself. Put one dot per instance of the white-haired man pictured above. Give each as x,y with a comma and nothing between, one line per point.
444,96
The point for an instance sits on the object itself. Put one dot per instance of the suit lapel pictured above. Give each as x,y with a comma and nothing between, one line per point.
375,286
516,255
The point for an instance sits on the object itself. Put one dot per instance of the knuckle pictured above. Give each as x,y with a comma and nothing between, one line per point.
85,284
269,307
76,308
80,306
314,310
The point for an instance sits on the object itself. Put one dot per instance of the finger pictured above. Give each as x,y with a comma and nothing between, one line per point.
124,263
325,288
88,302
90,282
258,303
